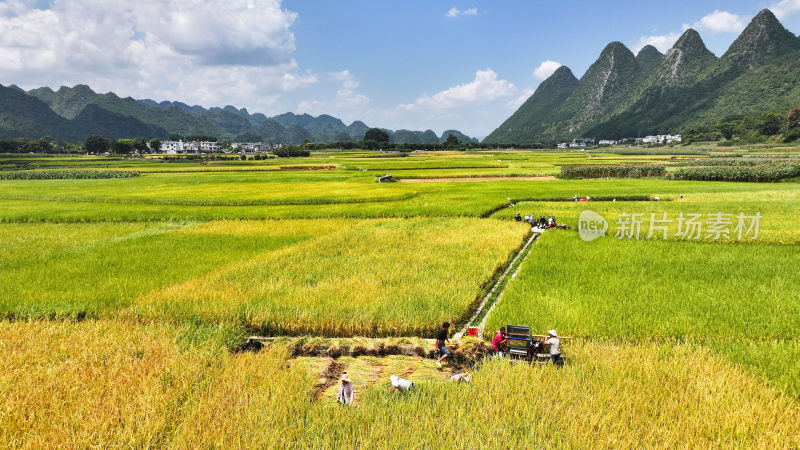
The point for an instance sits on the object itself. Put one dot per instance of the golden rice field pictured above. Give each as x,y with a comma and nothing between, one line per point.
114,384
124,304
372,278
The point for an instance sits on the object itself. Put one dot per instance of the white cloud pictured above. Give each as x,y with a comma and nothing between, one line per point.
210,52
662,43
785,8
348,104
484,88
347,95
517,102
721,22
454,12
715,22
546,68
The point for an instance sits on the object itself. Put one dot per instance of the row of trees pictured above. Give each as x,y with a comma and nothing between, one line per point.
100,144
43,145
750,128
376,138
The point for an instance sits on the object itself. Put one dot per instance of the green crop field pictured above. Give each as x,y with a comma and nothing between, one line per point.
125,302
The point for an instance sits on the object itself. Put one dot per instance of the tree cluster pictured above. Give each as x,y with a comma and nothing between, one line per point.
42,145
752,128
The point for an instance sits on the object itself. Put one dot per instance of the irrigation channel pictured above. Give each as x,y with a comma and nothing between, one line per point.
495,294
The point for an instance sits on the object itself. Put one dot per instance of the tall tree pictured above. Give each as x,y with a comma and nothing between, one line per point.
97,144
139,144
155,144
377,135
451,141
794,118
771,125
122,146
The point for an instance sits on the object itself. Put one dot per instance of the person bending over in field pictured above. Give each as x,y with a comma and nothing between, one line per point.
400,385
441,340
461,378
345,396
499,341
555,348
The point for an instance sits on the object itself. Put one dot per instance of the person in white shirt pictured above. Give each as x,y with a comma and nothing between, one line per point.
400,384
555,348
461,378
345,396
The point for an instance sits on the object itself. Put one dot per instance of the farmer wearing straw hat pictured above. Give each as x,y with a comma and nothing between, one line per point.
345,396
555,348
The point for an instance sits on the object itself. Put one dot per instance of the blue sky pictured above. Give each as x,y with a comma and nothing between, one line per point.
394,64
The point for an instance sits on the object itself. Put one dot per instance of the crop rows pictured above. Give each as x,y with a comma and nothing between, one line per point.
654,151
733,162
66,174
621,171
760,173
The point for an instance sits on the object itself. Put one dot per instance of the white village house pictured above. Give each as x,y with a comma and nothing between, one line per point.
577,143
176,147
254,147
659,139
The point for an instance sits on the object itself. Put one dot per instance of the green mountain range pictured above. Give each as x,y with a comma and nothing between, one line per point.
73,113
23,115
622,95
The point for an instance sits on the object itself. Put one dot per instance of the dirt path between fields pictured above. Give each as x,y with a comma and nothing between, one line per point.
473,179
330,376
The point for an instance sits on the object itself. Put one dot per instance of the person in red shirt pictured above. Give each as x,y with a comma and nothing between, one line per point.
499,341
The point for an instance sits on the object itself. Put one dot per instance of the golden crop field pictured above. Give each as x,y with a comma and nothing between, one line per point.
125,304
372,278
109,383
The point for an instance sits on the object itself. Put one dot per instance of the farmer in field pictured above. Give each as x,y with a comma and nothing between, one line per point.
400,385
461,378
555,348
345,396
542,222
441,340
499,341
